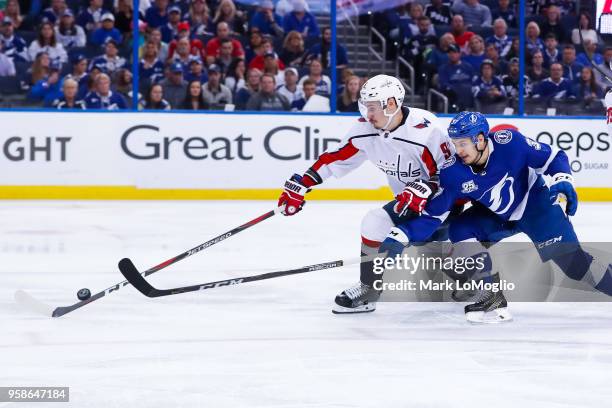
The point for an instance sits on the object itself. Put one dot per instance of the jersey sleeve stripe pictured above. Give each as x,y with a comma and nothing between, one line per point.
344,153
429,161
553,153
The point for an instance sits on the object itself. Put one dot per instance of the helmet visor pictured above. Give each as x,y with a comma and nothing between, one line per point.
370,109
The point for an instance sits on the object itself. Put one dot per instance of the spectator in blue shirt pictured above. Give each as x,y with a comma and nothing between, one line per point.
55,12
110,61
49,88
571,68
266,20
106,31
455,79
587,89
154,100
506,12
251,87
491,53
151,68
554,87
68,33
102,97
536,72
12,45
79,74
439,55
301,21
533,42
409,27
474,14
196,71
169,30
322,51
69,98
590,51
500,37
438,12
91,17
157,15
476,54
488,88
551,51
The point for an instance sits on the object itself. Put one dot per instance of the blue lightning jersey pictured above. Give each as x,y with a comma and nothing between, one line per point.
515,164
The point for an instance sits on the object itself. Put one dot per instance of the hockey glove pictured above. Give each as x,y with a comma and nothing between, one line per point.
563,183
292,199
394,243
413,198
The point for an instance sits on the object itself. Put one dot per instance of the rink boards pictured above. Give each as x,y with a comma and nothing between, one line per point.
226,155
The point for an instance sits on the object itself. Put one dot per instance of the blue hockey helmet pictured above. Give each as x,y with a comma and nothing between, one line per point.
468,124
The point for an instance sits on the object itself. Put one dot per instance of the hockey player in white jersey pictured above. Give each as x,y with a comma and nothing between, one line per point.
407,144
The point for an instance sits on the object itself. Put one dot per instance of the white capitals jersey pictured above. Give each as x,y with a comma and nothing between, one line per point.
416,149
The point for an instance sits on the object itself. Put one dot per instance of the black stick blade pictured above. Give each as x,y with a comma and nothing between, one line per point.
129,271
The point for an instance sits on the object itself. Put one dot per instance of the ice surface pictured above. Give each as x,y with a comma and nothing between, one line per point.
273,343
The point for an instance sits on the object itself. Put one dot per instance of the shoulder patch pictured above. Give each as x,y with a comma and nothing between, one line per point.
449,162
469,187
423,124
502,136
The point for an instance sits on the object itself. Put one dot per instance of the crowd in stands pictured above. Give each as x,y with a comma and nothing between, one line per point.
469,51
66,54
226,55
273,55
193,55
559,68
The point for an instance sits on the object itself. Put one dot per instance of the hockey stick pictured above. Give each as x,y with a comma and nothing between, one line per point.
28,301
137,279
590,59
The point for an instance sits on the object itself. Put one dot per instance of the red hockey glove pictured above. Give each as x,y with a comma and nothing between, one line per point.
413,198
292,199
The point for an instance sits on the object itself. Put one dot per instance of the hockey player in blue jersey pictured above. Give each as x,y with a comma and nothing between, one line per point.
501,174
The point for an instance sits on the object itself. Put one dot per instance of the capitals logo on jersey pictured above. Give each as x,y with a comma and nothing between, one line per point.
423,125
500,197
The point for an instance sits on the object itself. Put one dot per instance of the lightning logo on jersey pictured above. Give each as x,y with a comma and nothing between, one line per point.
500,194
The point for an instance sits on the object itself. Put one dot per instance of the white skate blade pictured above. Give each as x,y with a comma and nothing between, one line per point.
500,315
370,307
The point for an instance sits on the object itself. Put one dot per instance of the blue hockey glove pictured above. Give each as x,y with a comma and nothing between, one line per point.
563,183
394,243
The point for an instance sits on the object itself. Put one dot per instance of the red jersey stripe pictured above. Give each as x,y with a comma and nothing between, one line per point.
429,161
345,152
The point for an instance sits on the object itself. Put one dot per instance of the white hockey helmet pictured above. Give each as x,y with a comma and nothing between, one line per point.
379,89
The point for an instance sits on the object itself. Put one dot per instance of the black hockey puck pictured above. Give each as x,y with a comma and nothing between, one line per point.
84,294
